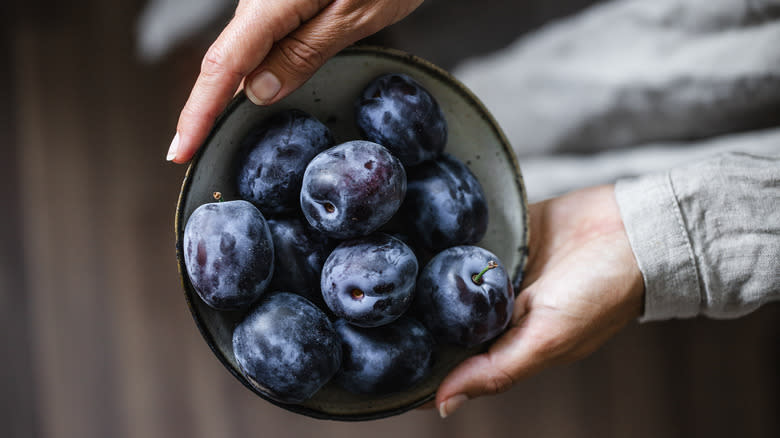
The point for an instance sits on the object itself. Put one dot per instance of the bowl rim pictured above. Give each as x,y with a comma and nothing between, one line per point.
240,98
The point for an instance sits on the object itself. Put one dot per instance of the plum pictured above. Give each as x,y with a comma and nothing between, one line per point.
369,281
464,296
385,359
228,253
445,205
397,112
287,347
352,189
273,157
300,251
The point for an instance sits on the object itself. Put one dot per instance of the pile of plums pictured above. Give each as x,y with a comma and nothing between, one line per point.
323,252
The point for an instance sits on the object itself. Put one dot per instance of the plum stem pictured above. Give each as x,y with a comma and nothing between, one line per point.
218,196
477,278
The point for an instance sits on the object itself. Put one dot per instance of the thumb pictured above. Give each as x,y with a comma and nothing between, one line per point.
513,357
296,57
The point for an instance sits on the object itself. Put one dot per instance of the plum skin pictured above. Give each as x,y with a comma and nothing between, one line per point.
369,281
273,157
453,307
228,254
352,189
385,359
397,112
287,347
300,252
445,204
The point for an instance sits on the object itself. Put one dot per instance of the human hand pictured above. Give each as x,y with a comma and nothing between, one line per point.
582,286
271,47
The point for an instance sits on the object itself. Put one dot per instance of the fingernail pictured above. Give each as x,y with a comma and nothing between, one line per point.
263,88
448,407
173,148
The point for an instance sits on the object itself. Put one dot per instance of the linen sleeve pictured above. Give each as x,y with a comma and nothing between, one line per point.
706,236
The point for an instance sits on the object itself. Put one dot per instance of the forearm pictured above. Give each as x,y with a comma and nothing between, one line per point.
706,236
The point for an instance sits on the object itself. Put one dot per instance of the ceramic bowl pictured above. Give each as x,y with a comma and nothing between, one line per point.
474,138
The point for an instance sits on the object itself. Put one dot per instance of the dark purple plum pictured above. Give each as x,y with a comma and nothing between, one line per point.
398,228
397,112
287,347
445,205
385,359
459,307
300,251
369,281
352,189
228,253
273,157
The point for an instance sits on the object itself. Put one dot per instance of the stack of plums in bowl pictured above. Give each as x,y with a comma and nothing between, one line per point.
348,265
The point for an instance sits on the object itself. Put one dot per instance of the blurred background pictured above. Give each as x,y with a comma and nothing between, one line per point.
97,338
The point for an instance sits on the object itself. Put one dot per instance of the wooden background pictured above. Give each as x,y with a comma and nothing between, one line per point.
97,340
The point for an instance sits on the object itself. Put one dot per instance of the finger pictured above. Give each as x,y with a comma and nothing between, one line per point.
241,46
295,58
226,62
514,356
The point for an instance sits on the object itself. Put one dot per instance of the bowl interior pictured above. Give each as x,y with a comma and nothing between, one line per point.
474,138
